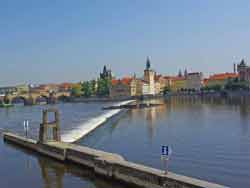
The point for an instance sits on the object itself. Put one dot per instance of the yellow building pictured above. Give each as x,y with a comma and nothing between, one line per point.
220,79
178,83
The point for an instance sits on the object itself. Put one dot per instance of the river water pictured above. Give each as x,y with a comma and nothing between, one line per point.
210,139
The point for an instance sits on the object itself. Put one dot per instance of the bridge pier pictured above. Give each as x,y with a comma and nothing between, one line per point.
54,125
52,100
29,101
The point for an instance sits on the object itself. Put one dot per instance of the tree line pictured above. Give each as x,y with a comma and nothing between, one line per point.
90,88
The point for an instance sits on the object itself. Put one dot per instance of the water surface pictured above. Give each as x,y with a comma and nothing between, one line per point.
210,139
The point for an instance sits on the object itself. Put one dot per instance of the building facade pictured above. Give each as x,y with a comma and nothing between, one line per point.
243,71
149,77
149,84
194,81
178,84
123,88
119,90
220,79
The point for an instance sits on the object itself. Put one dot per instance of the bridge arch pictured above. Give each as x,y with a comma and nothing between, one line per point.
63,98
20,100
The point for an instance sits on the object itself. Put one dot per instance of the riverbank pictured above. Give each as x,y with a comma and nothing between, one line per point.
109,165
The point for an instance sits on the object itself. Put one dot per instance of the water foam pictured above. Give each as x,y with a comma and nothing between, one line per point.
85,128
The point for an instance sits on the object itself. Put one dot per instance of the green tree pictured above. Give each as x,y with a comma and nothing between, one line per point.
86,89
166,90
103,87
76,90
93,86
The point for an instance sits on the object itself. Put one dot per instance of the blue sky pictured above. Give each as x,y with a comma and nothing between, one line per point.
61,40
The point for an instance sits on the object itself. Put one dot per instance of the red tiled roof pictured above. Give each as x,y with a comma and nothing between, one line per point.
125,80
223,76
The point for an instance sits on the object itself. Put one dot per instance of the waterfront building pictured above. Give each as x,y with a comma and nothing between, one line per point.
194,81
243,71
168,81
65,87
178,84
145,88
150,84
149,77
160,83
219,79
122,88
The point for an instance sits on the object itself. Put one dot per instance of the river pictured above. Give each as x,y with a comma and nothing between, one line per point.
210,139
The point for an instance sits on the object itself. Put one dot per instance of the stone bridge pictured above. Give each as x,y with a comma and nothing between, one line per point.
35,98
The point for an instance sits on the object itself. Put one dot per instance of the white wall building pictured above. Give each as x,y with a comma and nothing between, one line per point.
195,80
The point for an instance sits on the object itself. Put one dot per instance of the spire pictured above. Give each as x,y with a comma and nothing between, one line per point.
185,73
104,69
134,76
180,73
242,62
148,64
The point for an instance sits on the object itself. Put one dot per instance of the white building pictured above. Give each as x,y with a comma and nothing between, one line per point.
194,80
149,77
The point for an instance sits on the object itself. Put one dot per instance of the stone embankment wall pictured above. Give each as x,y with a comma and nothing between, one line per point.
110,165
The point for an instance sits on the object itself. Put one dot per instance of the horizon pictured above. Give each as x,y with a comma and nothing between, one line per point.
61,41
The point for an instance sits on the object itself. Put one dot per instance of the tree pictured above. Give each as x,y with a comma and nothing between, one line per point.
76,90
166,90
103,87
86,89
93,86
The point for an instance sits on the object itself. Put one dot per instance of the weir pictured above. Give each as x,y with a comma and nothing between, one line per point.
89,126
108,165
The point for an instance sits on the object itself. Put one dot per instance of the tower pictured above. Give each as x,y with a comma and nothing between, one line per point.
185,73
106,73
149,77
180,73
148,64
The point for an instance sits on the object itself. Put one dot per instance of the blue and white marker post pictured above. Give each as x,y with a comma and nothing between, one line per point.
166,151
26,127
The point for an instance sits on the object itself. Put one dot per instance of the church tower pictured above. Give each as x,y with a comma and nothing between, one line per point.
149,77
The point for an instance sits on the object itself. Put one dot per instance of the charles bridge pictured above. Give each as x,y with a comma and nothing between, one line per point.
33,98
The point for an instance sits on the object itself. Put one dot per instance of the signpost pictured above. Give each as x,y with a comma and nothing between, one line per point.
166,151
26,127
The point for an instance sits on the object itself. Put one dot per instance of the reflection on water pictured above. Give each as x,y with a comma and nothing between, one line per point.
210,138
209,135
55,174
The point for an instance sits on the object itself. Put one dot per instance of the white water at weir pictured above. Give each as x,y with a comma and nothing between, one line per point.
85,128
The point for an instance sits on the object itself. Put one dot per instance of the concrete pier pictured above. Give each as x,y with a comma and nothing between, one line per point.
109,165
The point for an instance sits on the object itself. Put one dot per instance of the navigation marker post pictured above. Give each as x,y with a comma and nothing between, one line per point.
26,127
166,151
